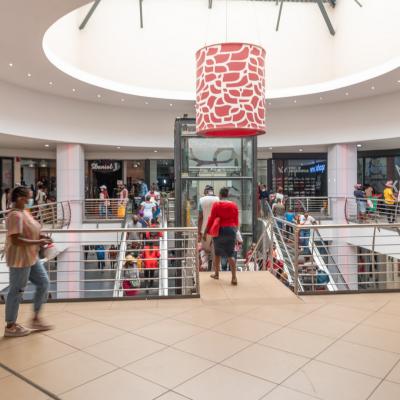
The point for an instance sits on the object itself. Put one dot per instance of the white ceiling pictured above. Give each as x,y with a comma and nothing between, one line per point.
24,23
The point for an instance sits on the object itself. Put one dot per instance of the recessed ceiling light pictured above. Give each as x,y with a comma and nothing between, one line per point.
372,87
46,145
359,145
122,100
155,151
398,81
294,101
269,148
146,102
99,96
73,89
50,83
170,104
28,74
10,64
321,98
118,147
347,93
300,149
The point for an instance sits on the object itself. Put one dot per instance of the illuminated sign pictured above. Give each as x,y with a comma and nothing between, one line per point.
105,166
318,169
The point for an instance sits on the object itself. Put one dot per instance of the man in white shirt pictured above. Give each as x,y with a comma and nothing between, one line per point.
305,234
204,209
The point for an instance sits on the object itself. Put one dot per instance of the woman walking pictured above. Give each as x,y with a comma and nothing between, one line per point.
23,242
222,225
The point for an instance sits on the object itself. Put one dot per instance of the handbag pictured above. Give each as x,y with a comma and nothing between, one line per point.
121,211
214,230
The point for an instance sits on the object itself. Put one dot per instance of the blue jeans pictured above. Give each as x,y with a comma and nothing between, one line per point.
19,278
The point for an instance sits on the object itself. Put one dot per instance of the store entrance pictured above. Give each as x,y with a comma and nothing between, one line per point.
103,172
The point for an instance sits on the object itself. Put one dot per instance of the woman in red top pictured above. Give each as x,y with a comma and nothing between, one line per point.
227,213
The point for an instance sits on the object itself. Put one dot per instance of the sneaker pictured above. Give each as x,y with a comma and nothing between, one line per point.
39,325
16,331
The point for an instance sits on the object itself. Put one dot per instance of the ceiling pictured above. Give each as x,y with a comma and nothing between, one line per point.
23,63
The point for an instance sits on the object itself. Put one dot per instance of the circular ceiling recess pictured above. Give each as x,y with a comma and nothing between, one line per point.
150,50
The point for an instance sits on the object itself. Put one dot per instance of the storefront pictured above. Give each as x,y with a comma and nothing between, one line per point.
109,172
299,175
377,167
40,170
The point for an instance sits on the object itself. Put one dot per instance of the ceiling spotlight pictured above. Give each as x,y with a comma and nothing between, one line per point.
294,101
347,93
28,74
372,87
155,151
10,64
99,96
118,147
359,145
269,148
122,100
321,98
73,89
46,145
170,104
300,150
146,102
398,81
50,83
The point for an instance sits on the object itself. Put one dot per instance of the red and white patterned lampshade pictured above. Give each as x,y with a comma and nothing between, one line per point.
230,90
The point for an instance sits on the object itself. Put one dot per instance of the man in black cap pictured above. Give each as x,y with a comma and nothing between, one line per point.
205,205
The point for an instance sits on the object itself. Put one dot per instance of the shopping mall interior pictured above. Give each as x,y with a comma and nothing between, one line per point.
205,194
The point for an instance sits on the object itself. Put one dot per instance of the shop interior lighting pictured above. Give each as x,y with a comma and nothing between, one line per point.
50,83
28,74
11,65
359,145
46,145
73,89
43,164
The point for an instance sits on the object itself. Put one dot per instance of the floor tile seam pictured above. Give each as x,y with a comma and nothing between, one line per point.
384,379
199,326
88,381
383,329
93,344
44,362
171,391
370,347
123,329
284,351
342,319
174,343
30,382
335,340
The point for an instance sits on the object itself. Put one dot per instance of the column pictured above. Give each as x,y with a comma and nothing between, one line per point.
17,171
342,176
70,187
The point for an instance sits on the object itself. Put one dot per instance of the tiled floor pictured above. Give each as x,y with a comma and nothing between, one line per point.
256,341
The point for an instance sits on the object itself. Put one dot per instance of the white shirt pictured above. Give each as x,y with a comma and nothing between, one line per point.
307,221
205,205
155,196
4,202
41,197
148,209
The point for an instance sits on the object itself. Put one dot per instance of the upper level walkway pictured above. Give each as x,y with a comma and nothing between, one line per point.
254,341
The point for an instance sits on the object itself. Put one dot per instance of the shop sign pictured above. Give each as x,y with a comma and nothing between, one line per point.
105,166
318,169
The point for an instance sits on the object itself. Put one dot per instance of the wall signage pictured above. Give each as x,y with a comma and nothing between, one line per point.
105,166
318,169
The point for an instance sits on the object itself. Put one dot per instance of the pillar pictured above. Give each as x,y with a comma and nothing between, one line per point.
70,187
342,176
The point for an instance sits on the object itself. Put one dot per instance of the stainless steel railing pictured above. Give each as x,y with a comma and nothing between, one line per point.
86,266
370,210
317,206
50,215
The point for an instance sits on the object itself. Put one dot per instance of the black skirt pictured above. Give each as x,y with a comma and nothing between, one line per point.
224,244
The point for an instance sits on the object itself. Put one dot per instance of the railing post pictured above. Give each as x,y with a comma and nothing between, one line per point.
296,261
264,250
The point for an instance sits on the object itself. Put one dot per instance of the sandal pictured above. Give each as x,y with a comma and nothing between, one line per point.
234,282
215,276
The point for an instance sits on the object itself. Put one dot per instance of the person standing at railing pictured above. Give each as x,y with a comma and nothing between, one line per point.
289,217
278,211
104,201
306,220
390,201
359,194
101,256
24,239
41,196
223,224
204,209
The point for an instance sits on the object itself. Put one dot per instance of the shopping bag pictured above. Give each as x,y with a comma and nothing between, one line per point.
121,211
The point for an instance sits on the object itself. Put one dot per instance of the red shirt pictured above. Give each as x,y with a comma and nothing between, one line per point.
228,213
151,257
